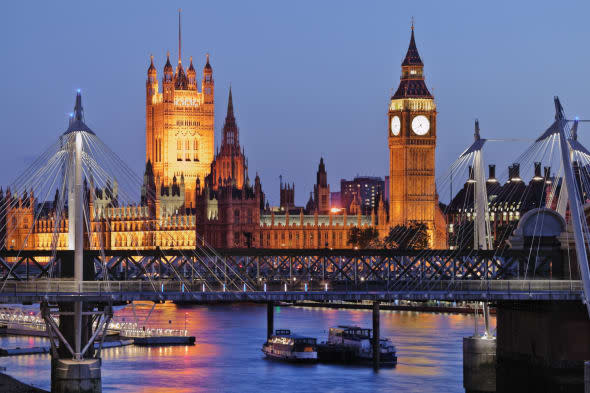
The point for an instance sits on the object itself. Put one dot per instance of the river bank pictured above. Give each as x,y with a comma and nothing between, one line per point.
9,384
444,307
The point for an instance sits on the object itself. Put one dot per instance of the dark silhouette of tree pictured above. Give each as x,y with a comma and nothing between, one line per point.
462,236
407,237
363,238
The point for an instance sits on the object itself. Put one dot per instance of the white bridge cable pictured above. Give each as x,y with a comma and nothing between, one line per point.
32,185
103,150
50,176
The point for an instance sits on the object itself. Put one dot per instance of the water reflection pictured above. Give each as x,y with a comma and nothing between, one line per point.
227,357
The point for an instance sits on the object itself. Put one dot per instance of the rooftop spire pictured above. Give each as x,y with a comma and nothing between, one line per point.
168,65
77,118
412,80
179,37
412,57
230,105
78,110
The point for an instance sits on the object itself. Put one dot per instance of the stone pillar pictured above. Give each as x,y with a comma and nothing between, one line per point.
376,337
270,319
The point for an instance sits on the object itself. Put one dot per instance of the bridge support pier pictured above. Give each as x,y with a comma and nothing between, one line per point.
542,345
270,319
75,365
376,337
76,376
479,357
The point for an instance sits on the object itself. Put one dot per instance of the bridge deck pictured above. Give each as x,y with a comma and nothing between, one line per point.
122,291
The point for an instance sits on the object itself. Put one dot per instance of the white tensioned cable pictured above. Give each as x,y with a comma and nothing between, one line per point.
41,181
135,245
59,218
99,175
88,175
553,139
550,141
42,158
38,190
32,227
458,166
225,266
33,184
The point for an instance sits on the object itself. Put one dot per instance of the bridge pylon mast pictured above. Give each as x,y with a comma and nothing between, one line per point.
574,201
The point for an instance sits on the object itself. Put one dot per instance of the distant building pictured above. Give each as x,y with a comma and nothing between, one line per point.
506,203
367,189
179,125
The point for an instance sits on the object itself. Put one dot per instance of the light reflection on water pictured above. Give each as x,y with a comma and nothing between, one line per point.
227,357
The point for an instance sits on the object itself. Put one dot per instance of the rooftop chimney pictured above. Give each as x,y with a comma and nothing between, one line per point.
547,176
537,171
492,173
514,172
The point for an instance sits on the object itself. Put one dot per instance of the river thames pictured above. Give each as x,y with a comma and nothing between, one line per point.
227,356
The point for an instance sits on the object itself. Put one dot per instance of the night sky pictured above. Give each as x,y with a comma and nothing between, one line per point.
309,78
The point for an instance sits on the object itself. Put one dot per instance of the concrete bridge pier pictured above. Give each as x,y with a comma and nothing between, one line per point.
479,358
75,365
542,346
76,376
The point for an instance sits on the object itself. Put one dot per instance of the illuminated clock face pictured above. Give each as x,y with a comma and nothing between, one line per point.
395,125
420,125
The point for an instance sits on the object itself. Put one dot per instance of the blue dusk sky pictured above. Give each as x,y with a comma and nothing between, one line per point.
309,78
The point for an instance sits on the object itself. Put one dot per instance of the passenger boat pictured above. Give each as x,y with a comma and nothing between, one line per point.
291,347
353,344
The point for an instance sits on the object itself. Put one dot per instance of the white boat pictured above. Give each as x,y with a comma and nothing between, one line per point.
290,347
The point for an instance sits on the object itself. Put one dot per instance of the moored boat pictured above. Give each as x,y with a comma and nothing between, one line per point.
353,344
291,347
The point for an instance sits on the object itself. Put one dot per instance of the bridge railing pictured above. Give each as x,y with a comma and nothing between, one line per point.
39,287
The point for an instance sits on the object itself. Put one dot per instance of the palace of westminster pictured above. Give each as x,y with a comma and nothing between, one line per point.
192,194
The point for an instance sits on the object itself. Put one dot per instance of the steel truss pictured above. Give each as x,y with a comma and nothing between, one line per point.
401,270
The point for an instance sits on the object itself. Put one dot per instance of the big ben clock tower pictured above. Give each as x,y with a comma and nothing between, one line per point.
412,142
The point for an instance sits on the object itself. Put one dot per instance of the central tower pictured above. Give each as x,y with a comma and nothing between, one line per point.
412,142
179,124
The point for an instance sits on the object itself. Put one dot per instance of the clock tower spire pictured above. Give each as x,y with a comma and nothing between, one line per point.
412,142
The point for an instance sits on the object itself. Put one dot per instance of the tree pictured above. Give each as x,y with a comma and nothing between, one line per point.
407,237
363,238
